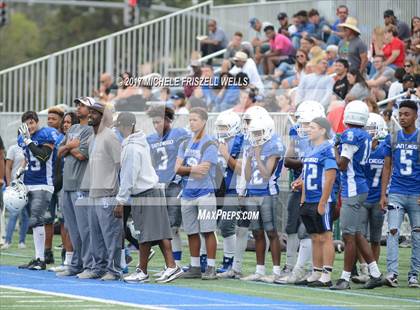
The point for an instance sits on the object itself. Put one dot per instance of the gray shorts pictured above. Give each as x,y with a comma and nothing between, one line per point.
174,208
267,208
227,226
372,218
205,205
350,214
151,220
38,203
293,217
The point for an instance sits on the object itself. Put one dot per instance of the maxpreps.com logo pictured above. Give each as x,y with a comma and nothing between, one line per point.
227,215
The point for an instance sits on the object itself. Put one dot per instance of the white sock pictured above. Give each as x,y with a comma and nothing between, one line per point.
176,240
203,250
305,253
240,247
276,270
346,275
260,269
374,270
195,261
229,246
67,260
291,250
39,241
315,275
326,276
123,262
364,268
211,262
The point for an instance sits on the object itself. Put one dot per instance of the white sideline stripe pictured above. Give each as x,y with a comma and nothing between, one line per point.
101,300
49,301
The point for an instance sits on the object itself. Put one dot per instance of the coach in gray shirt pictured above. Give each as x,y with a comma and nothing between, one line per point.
74,149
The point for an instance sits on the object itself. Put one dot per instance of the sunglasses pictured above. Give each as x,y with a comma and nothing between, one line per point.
299,56
407,66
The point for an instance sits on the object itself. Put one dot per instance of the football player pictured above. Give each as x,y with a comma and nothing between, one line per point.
352,157
38,145
402,171
164,145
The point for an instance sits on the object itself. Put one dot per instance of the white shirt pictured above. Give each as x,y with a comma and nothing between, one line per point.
250,69
396,88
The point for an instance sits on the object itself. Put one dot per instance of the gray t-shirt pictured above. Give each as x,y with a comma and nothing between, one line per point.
219,35
358,92
388,73
104,164
351,51
74,169
15,154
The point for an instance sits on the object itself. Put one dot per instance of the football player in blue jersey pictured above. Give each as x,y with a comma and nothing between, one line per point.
319,173
297,237
38,145
263,160
54,119
164,145
230,141
196,163
352,157
372,216
402,173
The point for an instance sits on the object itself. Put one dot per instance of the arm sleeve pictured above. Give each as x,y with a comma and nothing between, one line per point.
42,153
348,150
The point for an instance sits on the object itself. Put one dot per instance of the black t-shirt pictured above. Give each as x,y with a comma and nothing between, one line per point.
341,87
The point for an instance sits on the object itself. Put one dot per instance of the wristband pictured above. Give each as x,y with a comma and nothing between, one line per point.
27,141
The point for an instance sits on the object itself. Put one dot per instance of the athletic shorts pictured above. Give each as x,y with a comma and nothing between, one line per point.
227,226
267,208
293,216
205,206
350,214
372,218
314,222
52,209
174,207
38,202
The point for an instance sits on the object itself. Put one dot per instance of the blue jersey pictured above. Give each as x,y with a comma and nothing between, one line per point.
317,160
38,172
374,169
302,145
405,178
192,155
257,185
234,148
353,179
164,150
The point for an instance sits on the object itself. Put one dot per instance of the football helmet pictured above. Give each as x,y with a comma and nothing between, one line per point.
305,113
260,130
376,126
251,114
15,196
356,113
227,125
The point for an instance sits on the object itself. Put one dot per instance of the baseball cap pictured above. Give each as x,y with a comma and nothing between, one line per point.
97,106
195,63
241,56
323,123
408,78
389,13
87,101
281,16
253,21
266,25
126,119
178,95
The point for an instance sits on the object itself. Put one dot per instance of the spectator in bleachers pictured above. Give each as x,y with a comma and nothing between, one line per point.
165,94
393,50
247,66
396,87
228,94
281,49
359,89
236,45
216,40
378,38
336,34
126,87
382,79
411,67
300,69
372,105
259,42
304,28
414,51
332,54
320,25
403,29
318,85
284,24
281,103
179,103
306,44
341,85
247,98
351,47
107,89
195,73
415,27
208,91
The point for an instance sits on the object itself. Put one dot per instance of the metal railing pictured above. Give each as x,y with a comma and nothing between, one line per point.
369,13
160,45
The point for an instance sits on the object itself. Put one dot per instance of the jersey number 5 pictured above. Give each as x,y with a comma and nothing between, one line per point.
406,161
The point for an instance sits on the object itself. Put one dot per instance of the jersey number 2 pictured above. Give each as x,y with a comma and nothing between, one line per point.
163,158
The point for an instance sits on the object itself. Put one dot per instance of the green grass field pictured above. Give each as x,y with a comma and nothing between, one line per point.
384,298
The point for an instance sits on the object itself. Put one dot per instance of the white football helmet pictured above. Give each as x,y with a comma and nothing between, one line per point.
260,130
356,113
15,196
376,126
227,125
251,114
305,113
